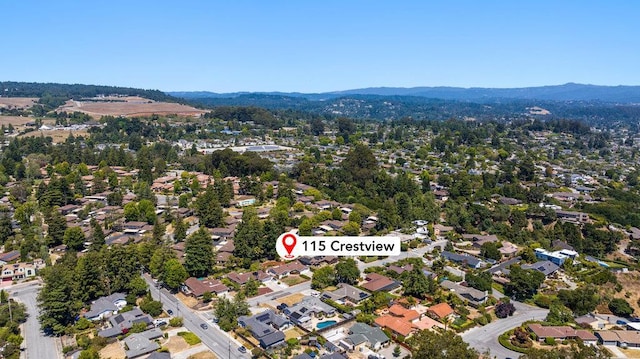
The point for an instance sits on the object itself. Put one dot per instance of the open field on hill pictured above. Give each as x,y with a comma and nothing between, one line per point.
17,102
128,106
58,136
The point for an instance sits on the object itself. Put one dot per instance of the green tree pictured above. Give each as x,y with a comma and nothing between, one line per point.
620,307
524,283
6,230
198,252
97,235
227,312
559,314
581,300
150,306
418,285
490,250
351,229
323,277
347,271
174,274
208,209
428,344
180,230
74,238
89,353
137,286
57,225
480,281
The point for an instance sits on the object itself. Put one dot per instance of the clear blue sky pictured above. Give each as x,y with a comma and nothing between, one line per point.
322,45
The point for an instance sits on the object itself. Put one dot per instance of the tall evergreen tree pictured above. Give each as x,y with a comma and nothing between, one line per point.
208,209
198,251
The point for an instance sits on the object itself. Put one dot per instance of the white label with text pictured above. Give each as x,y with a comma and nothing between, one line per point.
290,246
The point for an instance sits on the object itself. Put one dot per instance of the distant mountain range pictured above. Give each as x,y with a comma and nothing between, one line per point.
566,92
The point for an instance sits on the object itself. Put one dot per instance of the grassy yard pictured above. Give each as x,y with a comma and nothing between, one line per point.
497,286
190,338
293,280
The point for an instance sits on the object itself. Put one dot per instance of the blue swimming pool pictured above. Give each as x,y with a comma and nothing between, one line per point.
326,323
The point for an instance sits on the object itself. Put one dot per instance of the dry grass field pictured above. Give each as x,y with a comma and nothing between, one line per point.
129,106
204,355
16,121
17,102
113,351
291,299
58,136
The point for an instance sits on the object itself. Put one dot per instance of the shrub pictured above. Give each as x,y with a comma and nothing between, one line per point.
550,341
504,310
190,338
176,322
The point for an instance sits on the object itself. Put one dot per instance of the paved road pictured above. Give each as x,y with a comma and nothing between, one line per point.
486,338
215,339
38,345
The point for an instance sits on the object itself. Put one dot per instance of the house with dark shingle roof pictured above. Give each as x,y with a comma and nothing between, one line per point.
545,267
361,333
139,344
377,282
104,307
266,327
464,259
473,296
346,293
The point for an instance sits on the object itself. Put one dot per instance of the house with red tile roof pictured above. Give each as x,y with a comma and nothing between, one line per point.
440,311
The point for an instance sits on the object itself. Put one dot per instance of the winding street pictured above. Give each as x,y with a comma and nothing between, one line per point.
486,338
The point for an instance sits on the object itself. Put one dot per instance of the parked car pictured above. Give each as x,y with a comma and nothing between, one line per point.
204,326
242,349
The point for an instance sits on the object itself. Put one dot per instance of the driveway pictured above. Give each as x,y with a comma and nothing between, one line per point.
38,345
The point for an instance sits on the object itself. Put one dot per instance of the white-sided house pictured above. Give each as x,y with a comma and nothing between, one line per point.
284,270
105,307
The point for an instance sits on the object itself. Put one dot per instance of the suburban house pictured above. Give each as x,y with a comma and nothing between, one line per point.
139,344
9,257
17,271
196,287
562,333
318,260
399,320
222,233
377,282
471,295
478,239
244,201
440,311
464,259
308,307
266,327
621,338
121,323
364,334
346,293
574,217
225,252
107,306
557,257
284,270
545,267
243,278
592,321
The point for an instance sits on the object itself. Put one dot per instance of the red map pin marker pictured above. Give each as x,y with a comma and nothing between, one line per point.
289,242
